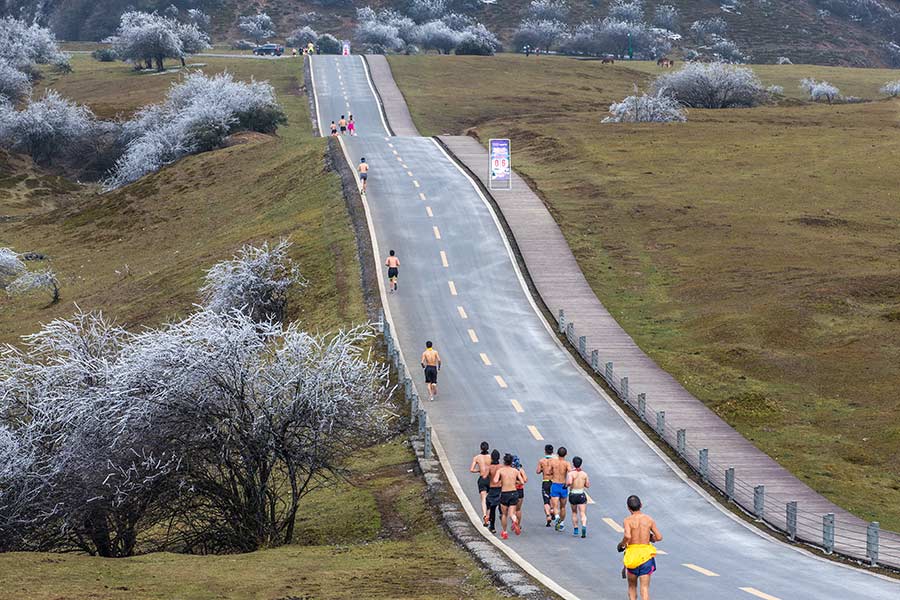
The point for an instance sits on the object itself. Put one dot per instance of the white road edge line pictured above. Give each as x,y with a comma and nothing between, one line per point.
620,411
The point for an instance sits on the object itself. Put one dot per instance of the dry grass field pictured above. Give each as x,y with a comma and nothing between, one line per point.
755,253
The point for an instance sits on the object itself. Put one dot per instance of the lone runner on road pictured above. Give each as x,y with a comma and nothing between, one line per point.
543,469
639,559
363,169
393,265
480,464
508,477
559,470
578,482
431,362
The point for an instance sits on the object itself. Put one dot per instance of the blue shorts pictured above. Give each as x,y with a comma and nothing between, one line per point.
644,569
558,490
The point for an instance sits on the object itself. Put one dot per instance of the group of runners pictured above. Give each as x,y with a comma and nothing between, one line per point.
344,126
502,485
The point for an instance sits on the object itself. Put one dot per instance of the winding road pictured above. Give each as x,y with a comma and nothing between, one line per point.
507,380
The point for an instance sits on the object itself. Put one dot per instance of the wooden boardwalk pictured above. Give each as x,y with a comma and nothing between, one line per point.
561,285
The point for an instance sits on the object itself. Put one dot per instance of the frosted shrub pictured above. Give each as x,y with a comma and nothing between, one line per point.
548,10
105,55
46,129
381,37
820,91
300,38
437,35
328,44
478,40
22,45
783,60
667,16
198,18
713,85
705,29
630,11
15,85
256,282
242,45
775,90
646,109
196,116
891,88
727,51
151,38
34,281
11,266
422,11
259,27
541,34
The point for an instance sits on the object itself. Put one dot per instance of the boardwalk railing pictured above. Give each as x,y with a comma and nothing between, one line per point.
416,412
856,540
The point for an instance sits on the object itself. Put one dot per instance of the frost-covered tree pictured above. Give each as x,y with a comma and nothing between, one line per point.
147,38
301,37
542,34
704,29
193,39
11,266
667,16
196,116
713,85
611,36
105,55
35,281
256,282
478,40
47,128
437,35
378,36
422,11
259,27
328,44
891,88
15,85
198,18
630,11
820,91
548,10
22,45
646,109
727,51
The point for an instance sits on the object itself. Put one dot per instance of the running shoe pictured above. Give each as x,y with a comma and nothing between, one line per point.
549,521
575,531
487,520
584,532
517,528
492,530
504,535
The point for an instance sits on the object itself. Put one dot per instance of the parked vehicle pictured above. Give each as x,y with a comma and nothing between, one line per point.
269,50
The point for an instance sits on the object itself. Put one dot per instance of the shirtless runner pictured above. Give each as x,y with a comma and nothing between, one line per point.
520,487
494,493
393,265
543,469
578,481
640,554
431,362
559,470
508,477
343,125
481,464
363,169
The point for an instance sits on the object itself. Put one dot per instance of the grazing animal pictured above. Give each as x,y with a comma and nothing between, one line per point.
665,63
607,61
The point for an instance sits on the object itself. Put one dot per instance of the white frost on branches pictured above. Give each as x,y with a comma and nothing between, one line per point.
16,279
713,85
259,27
22,45
15,85
891,88
548,10
151,38
45,128
255,282
646,109
820,91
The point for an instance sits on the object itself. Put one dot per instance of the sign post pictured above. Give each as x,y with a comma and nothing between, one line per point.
500,167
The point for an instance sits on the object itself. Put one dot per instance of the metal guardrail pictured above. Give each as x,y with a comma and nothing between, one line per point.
416,412
867,543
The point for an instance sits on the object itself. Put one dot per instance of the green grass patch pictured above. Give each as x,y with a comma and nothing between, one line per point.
752,253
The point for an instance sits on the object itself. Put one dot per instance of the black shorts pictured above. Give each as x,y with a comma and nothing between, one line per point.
483,484
343,130
430,374
393,272
493,497
545,491
509,498
576,499
521,493
363,176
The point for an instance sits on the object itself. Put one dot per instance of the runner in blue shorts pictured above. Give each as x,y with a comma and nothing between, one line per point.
559,470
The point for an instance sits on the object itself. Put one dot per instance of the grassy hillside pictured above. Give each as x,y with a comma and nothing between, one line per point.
752,253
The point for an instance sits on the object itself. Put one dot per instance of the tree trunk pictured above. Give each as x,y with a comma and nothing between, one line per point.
98,532
159,64
149,63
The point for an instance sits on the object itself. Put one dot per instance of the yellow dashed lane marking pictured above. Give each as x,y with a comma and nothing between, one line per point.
700,570
615,526
437,232
415,183
472,336
462,312
390,145
500,381
395,152
535,433
485,359
428,211
408,172
758,594
421,195
444,259
452,288
399,160
516,405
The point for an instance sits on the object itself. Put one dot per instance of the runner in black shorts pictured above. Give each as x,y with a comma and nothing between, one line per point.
431,362
543,469
393,265
507,477
520,487
481,463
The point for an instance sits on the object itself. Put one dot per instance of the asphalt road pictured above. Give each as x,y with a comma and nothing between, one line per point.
506,380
